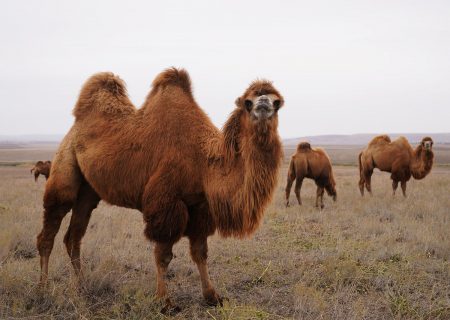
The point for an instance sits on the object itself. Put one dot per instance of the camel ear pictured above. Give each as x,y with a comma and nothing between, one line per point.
238,102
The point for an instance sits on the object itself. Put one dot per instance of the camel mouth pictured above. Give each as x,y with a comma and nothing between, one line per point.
427,146
263,111
263,108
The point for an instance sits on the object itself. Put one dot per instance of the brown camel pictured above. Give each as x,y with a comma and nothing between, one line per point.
312,163
41,168
169,161
396,157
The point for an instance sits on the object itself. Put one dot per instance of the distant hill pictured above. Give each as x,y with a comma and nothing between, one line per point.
29,138
364,138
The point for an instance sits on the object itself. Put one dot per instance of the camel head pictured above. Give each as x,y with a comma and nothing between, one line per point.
427,143
261,102
331,189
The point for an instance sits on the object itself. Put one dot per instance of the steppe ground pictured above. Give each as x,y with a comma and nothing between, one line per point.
359,258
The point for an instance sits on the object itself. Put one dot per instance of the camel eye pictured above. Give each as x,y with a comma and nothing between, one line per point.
248,105
277,104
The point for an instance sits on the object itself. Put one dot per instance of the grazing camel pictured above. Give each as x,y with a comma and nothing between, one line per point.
312,163
396,157
169,161
41,168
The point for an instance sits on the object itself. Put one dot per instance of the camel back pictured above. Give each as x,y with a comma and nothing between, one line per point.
303,147
382,139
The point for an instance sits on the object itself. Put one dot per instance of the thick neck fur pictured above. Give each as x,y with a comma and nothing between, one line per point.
242,183
422,163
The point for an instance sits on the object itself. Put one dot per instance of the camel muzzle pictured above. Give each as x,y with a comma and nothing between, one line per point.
263,108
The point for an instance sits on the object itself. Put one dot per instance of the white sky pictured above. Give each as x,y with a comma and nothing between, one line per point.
343,66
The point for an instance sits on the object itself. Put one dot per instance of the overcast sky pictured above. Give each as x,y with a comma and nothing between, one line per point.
342,66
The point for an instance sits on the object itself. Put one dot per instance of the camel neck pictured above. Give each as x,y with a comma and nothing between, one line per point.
422,163
241,186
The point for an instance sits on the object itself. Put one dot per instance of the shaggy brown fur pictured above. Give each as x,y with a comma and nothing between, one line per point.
167,160
396,157
312,163
43,168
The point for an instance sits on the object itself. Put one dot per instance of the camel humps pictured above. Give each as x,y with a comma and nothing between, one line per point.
396,157
312,163
167,160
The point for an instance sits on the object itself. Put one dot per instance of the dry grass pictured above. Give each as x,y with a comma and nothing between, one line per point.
371,258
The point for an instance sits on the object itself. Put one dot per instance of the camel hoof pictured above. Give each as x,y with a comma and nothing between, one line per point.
213,299
170,309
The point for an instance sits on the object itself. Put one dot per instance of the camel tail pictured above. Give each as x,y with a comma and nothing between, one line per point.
360,165
104,92
173,77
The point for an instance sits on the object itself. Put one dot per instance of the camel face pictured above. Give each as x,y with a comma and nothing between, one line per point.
427,143
263,106
261,101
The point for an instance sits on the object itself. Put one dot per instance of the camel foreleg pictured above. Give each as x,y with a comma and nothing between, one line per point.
394,186
319,197
199,254
403,185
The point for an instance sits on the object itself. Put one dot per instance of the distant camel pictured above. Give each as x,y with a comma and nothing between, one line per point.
41,168
312,163
396,157
169,161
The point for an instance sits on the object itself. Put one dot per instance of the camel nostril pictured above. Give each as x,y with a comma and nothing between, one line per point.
263,107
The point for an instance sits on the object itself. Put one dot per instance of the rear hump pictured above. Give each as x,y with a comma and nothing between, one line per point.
303,147
103,92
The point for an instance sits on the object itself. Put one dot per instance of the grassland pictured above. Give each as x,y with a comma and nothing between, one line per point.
360,258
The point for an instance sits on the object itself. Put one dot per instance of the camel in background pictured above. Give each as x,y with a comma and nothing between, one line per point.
312,163
396,157
41,168
169,161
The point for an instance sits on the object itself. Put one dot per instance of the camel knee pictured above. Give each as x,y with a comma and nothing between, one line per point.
199,251
72,243
163,260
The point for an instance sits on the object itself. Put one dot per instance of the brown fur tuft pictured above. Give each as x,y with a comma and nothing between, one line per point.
103,92
174,77
380,139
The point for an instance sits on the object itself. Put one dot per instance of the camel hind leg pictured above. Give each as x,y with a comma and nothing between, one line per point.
368,181
87,201
288,189
60,195
361,184
52,221
297,189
